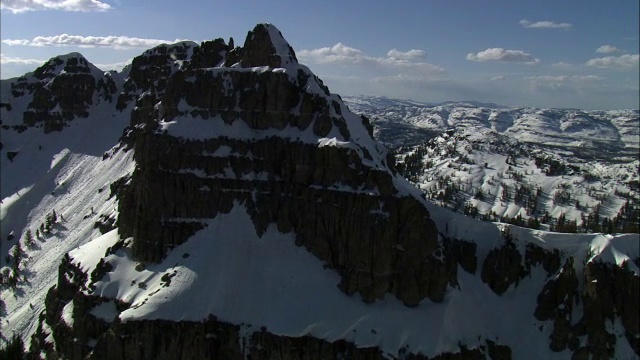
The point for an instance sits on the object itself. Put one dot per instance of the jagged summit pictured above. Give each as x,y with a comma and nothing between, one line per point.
265,46
268,137
180,47
72,63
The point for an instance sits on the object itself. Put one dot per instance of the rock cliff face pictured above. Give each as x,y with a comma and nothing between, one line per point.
216,128
286,151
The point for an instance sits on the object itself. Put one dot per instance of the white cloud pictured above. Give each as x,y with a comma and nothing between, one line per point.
562,64
13,60
345,55
565,84
19,6
563,78
586,78
502,55
545,25
113,66
500,77
117,42
338,53
622,62
607,49
407,55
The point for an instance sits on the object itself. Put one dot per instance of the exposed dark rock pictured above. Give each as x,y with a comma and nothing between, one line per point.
107,88
259,48
209,54
550,260
336,226
609,294
6,106
464,253
105,224
149,71
498,351
11,155
502,268
61,90
556,302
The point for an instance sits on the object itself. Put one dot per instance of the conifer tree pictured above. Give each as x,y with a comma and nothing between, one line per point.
28,238
48,224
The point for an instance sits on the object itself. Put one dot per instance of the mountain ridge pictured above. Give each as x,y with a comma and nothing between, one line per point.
204,152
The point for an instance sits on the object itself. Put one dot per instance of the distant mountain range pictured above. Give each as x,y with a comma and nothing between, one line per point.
598,134
501,163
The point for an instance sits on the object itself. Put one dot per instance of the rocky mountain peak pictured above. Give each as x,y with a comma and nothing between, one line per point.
265,46
261,132
62,89
72,63
245,207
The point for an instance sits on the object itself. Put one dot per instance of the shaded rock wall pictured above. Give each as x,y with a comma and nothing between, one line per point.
345,212
583,310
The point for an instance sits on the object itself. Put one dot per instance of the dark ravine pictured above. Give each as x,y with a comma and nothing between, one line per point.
342,202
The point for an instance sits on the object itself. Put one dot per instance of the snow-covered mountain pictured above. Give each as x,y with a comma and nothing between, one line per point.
527,166
590,134
214,201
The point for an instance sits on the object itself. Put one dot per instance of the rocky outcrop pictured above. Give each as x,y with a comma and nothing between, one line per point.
264,46
609,295
556,303
505,266
151,69
581,311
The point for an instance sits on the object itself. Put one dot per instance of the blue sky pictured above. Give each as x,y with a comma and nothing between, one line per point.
578,54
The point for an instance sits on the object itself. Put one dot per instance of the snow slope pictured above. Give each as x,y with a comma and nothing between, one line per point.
228,271
61,171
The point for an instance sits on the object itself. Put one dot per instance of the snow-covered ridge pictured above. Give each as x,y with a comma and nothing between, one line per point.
63,172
